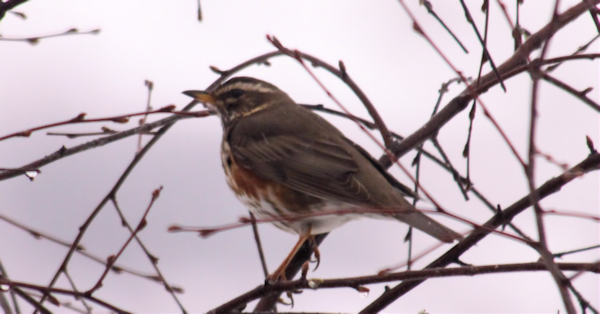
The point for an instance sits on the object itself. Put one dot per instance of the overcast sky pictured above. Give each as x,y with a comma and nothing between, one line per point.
162,41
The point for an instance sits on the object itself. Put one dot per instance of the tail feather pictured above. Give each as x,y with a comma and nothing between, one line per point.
422,222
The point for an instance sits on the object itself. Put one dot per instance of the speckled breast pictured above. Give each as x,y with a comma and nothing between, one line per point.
271,200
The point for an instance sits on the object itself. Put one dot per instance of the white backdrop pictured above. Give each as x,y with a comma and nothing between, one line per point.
162,41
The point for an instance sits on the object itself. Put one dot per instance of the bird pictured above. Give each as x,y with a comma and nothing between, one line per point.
283,160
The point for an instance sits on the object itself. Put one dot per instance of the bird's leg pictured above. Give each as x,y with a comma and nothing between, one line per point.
279,273
315,250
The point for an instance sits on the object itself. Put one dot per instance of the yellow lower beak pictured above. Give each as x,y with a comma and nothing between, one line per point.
201,96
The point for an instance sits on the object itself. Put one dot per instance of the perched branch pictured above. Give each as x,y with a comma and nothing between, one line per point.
356,282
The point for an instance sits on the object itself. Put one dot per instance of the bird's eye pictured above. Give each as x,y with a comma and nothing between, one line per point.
237,93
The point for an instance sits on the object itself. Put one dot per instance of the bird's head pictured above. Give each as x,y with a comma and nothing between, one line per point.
239,97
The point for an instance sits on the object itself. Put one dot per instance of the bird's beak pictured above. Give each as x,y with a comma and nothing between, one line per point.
201,96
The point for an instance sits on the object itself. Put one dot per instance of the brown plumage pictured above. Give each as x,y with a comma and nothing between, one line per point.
281,159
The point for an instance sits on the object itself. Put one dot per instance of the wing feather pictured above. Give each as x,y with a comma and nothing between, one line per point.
319,167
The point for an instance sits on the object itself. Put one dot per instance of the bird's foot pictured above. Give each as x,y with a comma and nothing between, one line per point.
315,250
278,275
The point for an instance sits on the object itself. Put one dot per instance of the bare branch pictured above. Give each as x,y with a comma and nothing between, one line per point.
411,275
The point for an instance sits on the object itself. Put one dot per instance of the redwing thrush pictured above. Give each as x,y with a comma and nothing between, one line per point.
282,159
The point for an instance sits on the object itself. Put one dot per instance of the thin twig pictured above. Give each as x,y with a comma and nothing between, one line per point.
443,90
199,12
429,8
593,13
113,258
529,169
6,6
47,291
80,249
72,283
261,254
80,118
561,254
579,50
13,295
455,175
153,260
33,302
342,74
150,85
467,148
36,39
516,29
581,95
483,43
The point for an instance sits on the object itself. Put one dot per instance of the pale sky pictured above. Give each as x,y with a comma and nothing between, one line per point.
103,75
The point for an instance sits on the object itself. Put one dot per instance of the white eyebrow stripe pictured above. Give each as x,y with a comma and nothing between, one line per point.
245,86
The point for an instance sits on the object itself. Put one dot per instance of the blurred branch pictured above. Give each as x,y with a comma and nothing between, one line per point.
150,85
561,254
29,299
153,260
80,249
199,12
113,258
581,95
259,245
515,29
429,8
35,40
578,51
542,245
6,6
3,300
46,291
594,13
486,53
88,309
467,148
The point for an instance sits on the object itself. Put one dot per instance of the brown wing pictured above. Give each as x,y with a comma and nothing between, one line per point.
316,166
406,191
297,148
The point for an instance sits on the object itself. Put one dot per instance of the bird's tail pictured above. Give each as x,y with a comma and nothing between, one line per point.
433,228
